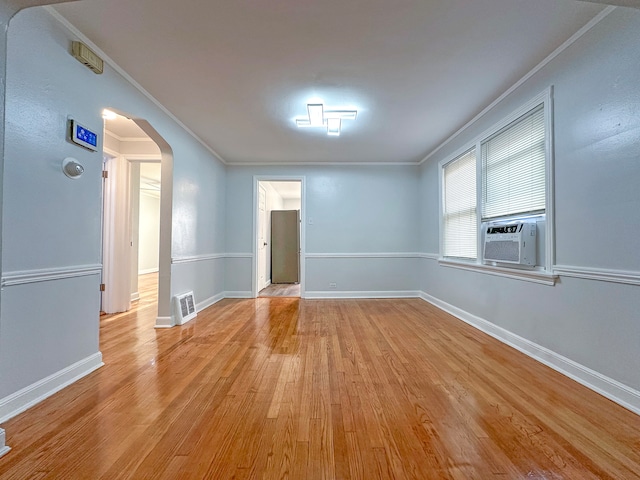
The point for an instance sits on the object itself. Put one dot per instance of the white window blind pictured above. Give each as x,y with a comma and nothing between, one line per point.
459,212
513,168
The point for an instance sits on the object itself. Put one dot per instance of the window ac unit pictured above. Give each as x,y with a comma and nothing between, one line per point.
185,308
513,242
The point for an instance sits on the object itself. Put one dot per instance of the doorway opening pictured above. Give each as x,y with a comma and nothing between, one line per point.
279,245
136,212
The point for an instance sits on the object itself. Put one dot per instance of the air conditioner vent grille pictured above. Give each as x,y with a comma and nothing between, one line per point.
504,250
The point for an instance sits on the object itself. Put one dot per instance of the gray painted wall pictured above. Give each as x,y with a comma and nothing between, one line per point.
355,211
52,223
597,200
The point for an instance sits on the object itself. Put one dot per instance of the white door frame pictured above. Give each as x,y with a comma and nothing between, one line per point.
262,240
116,258
118,203
135,235
165,317
303,209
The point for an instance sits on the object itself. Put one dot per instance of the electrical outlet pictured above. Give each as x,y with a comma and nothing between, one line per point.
332,285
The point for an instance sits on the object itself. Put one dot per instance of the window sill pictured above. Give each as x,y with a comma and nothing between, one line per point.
535,276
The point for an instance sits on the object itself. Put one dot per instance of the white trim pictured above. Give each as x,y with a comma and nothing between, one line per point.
165,322
197,258
209,301
108,60
143,157
323,164
592,23
22,277
302,179
116,235
546,99
3,447
365,255
542,98
429,256
27,397
208,256
126,139
600,274
139,87
135,296
169,322
148,271
318,294
608,387
239,294
238,255
112,153
535,276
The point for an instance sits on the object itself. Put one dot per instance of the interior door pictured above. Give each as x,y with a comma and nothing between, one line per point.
262,237
285,246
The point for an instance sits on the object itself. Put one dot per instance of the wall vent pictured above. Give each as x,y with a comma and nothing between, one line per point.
185,306
87,57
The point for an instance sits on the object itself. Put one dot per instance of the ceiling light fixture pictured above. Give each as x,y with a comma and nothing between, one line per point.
333,126
317,116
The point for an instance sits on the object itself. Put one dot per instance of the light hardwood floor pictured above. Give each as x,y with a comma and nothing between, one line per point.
305,389
281,290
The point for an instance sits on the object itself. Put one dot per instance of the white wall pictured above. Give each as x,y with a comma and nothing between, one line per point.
131,147
51,224
597,172
291,204
351,212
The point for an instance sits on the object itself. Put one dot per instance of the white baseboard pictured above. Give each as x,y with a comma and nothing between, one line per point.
364,294
239,294
135,296
3,447
169,322
29,396
209,301
605,386
165,322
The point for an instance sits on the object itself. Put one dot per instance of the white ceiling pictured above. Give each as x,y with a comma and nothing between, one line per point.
288,190
237,73
124,128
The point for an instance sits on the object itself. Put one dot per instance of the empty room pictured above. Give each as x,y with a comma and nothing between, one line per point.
303,239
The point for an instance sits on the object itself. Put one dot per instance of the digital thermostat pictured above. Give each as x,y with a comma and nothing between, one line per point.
84,137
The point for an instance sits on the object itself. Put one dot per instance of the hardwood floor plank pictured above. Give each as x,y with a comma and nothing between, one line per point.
279,388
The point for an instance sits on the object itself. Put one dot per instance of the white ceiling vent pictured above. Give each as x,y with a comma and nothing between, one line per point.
185,306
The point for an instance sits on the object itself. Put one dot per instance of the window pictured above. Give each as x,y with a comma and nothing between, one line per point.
502,175
513,168
459,202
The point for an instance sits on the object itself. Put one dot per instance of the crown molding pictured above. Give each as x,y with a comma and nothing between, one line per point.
570,41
